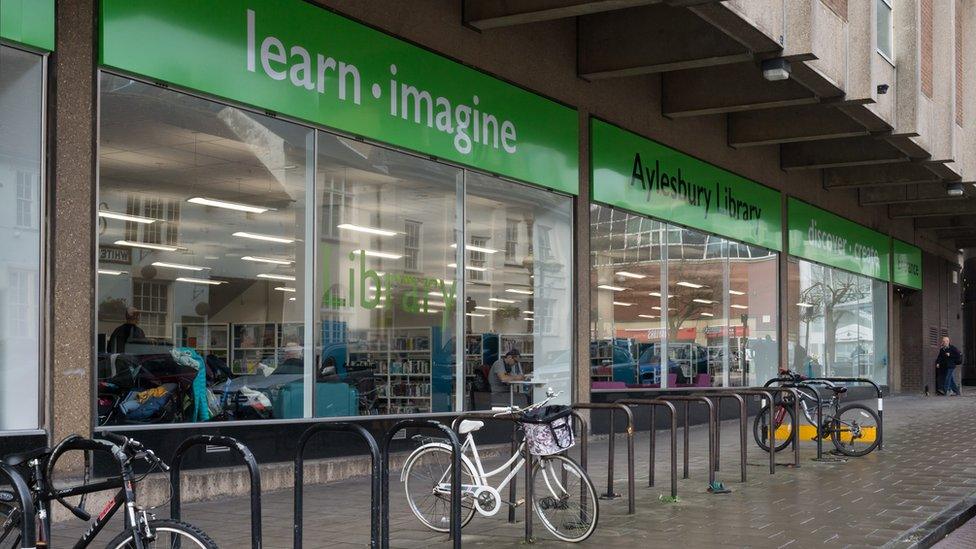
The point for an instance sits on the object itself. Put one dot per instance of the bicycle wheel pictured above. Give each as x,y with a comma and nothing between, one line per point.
783,427
9,526
432,507
855,430
167,533
564,498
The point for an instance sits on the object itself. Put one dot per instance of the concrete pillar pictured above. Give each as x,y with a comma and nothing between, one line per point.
71,249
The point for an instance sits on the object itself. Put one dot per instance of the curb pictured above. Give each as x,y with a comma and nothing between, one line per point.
936,528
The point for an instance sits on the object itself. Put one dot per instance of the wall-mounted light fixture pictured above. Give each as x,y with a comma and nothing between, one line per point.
776,69
954,188
882,89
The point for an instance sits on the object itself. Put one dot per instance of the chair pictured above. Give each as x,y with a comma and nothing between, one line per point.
703,380
672,380
608,385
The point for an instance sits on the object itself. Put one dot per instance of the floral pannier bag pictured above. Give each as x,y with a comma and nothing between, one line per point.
548,430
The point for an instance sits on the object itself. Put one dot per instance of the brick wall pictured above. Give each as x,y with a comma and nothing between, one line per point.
837,6
912,345
926,46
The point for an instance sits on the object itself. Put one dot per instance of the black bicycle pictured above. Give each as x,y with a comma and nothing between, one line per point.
141,531
852,428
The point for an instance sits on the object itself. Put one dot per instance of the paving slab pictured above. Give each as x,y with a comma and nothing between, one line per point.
926,468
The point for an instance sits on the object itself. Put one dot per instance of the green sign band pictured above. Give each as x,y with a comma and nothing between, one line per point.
29,22
294,58
826,238
906,264
644,176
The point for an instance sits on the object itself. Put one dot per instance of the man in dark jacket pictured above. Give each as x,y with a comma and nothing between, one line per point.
945,366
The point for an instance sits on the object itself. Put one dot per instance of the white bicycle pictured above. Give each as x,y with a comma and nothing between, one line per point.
563,494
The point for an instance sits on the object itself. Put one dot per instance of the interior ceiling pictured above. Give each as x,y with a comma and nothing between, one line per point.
854,148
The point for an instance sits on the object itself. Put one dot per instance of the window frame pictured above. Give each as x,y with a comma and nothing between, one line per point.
889,57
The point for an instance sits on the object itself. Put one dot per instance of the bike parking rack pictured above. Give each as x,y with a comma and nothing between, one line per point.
743,426
613,407
375,488
176,467
653,405
795,435
28,526
877,390
455,476
687,399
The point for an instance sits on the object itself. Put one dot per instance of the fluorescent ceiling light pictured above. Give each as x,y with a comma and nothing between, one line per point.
528,312
277,277
501,300
227,205
291,299
433,311
476,315
689,284
705,301
622,304
518,291
200,280
736,292
669,308
647,316
110,272
471,248
131,244
626,274
656,308
178,266
482,308
368,230
285,289
739,306
270,260
436,304
611,288
468,267
265,237
529,319
658,294
805,305
383,255
125,217
435,294
707,314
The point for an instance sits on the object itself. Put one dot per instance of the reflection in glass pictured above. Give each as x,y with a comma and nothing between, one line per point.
21,189
201,264
386,281
838,323
518,292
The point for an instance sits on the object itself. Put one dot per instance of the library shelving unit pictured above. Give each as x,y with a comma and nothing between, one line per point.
252,344
524,343
400,359
207,339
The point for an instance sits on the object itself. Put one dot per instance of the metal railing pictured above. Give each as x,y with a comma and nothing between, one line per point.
375,486
653,404
455,476
613,408
176,467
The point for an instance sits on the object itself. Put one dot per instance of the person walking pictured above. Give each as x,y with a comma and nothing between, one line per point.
945,367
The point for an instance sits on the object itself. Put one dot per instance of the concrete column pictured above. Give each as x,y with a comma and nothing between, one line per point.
784,298
72,184
581,297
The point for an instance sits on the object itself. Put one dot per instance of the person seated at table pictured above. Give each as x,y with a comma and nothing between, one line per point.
503,372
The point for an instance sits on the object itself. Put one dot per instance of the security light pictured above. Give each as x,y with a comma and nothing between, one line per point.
776,69
954,188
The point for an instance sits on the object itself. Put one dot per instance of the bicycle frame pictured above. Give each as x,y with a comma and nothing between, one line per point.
515,463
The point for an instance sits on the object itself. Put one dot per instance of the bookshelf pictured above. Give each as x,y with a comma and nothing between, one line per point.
205,338
401,360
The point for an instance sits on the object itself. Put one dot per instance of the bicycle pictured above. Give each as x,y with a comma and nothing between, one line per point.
852,428
557,482
141,529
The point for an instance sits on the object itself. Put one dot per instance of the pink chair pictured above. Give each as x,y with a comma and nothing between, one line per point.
672,380
608,385
703,380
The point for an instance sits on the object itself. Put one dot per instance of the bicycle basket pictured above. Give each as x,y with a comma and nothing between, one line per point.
548,430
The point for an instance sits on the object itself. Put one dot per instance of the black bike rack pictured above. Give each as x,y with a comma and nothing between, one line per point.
877,390
613,408
176,466
653,404
455,476
28,528
375,486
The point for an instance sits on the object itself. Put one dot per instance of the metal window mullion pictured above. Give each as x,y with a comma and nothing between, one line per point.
726,302
459,301
311,239
665,292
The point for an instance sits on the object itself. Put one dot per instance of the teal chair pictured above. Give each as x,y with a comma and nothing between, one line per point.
331,400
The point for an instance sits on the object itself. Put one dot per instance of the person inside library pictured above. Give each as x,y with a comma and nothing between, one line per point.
503,372
128,331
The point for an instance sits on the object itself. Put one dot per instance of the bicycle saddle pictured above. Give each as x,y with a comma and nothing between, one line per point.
14,460
468,426
837,390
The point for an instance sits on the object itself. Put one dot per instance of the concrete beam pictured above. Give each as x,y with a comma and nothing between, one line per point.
907,194
961,206
951,222
853,151
725,89
490,14
790,125
651,39
744,32
878,176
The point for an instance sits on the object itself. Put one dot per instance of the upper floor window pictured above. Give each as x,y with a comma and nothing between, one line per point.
884,29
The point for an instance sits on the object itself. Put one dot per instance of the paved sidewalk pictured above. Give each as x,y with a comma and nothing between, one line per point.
928,465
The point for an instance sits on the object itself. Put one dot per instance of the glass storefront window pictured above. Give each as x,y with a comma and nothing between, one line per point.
201,224
716,323
22,189
386,301
838,323
518,292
